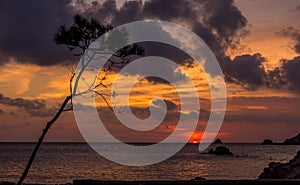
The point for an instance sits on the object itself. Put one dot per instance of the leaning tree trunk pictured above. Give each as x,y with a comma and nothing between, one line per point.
45,130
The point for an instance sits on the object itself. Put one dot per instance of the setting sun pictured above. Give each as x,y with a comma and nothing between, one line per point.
196,137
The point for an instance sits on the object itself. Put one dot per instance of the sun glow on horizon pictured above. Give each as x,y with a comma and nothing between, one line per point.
196,137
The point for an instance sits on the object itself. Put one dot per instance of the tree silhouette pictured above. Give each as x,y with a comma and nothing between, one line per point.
77,38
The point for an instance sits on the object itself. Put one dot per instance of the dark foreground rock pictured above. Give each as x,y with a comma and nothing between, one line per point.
220,150
185,182
267,142
7,183
12,183
190,182
293,141
276,170
218,141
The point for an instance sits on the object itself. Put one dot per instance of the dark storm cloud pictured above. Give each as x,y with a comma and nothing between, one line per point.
28,27
129,11
219,23
276,78
292,69
227,21
170,9
106,11
247,70
294,33
289,72
33,107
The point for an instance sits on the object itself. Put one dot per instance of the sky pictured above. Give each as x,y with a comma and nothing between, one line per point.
256,42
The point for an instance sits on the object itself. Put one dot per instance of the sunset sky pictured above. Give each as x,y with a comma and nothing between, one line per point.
256,42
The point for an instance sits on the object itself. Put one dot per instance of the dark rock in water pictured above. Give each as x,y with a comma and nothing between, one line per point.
267,142
198,179
276,170
220,150
293,141
218,141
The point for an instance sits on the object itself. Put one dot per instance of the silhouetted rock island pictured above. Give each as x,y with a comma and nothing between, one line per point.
198,179
267,142
220,150
218,141
276,170
293,141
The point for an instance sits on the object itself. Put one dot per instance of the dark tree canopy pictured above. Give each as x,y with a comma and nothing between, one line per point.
80,34
83,32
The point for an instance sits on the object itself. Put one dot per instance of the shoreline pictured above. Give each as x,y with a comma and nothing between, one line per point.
176,182
192,182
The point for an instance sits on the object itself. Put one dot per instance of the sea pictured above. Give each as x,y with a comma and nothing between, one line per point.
65,162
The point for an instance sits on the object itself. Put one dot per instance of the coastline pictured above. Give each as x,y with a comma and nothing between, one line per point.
191,182
178,182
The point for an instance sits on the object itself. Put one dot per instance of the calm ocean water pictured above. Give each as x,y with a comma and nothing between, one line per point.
63,162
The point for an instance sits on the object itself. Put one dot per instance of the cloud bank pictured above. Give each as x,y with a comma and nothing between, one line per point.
29,26
220,24
35,108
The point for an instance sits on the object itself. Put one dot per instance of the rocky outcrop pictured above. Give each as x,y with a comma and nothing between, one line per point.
7,183
198,179
276,170
293,141
220,150
267,142
218,141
